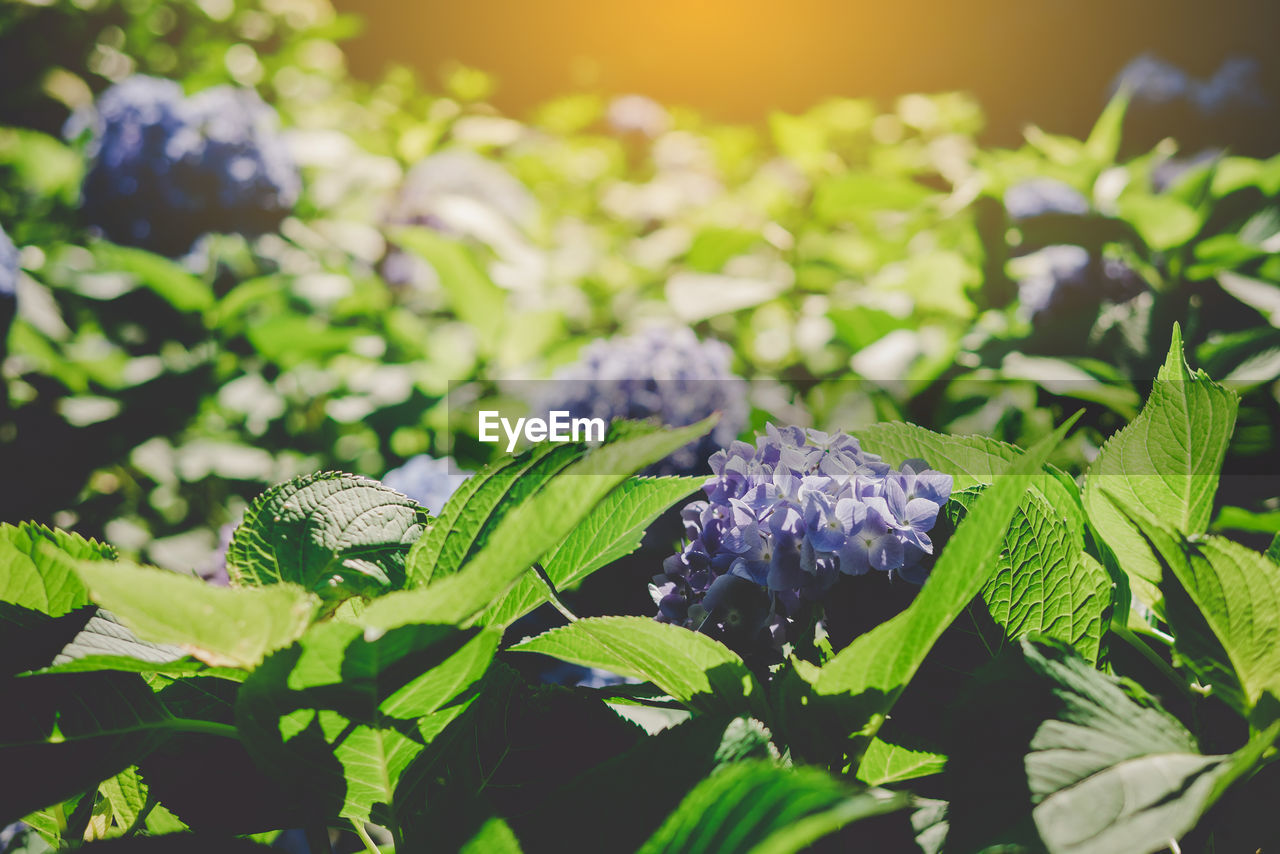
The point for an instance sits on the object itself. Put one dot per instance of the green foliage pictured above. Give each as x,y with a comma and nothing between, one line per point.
221,627
360,667
760,807
693,668
858,687
331,533
1164,464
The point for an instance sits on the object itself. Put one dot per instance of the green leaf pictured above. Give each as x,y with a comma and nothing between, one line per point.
71,732
37,567
105,644
340,714
970,460
1110,775
1256,293
471,514
860,684
1046,584
765,809
493,837
1050,752
531,530
1163,222
166,278
223,627
1237,594
1165,464
697,670
884,763
613,530
1103,144
475,299
127,795
334,534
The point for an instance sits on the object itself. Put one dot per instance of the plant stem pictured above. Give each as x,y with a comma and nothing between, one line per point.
556,601
1154,660
369,844
204,727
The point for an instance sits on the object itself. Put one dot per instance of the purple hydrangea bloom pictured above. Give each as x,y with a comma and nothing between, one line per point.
1041,196
783,519
8,266
666,375
426,480
165,168
1063,279
1152,80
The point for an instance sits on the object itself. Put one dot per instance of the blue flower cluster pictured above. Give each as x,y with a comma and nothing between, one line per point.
426,480
663,374
1063,279
1042,197
165,168
1235,85
788,516
8,266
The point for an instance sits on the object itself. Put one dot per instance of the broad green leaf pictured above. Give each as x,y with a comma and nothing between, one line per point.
127,795
531,530
341,713
334,534
37,567
1046,584
475,299
223,627
1237,594
762,808
75,731
970,460
695,669
105,644
613,530
860,684
1162,221
1110,775
1165,464
166,278
1255,293
884,763
472,513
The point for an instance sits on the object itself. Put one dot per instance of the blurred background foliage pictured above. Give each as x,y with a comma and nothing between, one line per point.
864,259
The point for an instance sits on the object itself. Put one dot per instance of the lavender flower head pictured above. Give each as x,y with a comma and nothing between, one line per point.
8,266
786,518
1041,196
428,481
663,374
165,168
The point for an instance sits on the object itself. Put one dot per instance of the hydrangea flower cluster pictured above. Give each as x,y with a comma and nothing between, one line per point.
427,480
8,266
1043,197
1064,279
663,374
788,517
165,168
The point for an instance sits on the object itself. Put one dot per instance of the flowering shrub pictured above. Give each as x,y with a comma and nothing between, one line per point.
789,516
166,168
667,375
